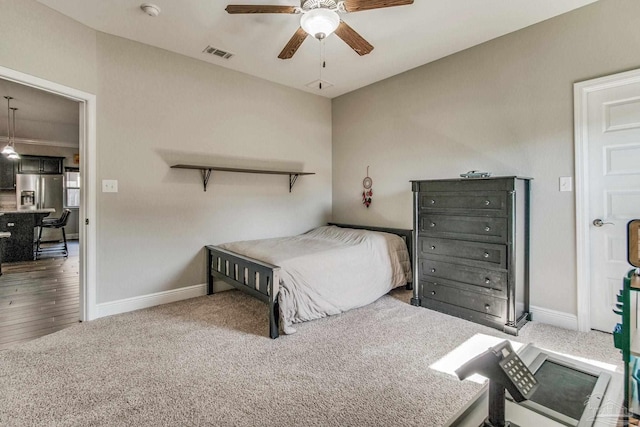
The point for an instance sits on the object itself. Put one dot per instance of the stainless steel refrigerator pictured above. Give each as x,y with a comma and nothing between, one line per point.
39,192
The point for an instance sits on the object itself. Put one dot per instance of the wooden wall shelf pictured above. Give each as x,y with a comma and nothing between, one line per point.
206,172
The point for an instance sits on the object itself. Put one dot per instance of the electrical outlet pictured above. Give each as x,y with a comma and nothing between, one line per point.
566,183
109,185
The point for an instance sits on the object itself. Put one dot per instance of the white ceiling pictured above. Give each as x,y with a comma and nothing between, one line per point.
404,37
38,111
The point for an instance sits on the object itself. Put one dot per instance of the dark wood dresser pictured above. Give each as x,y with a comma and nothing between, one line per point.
471,249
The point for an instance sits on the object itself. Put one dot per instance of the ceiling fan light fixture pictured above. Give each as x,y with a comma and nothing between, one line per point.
320,23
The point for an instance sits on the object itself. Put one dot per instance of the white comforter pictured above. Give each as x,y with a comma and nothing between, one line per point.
330,269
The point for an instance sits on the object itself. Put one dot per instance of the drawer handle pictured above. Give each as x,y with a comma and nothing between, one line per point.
433,202
486,255
487,307
487,202
433,270
487,280
487,228
11,224
433,248
433,292
433,224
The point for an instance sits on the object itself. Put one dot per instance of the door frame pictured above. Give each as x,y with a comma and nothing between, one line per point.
581,91
87,144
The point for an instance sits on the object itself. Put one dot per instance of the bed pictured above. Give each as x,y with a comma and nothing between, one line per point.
326,271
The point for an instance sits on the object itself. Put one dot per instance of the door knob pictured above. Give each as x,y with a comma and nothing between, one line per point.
599,223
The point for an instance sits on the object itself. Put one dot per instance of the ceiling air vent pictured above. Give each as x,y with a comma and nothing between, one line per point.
217,52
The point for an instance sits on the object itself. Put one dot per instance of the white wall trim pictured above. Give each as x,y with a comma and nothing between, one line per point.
555,318
87,146
151,300
581,92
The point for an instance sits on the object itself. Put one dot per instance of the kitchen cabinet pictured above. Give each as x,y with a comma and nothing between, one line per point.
7,173
472,254
40,164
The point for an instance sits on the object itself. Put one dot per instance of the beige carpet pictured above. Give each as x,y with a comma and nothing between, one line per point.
208,362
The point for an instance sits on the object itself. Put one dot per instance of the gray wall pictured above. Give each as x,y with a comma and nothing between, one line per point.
46,44
505,106
157,108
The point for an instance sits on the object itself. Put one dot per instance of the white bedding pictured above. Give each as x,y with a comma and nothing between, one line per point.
330,269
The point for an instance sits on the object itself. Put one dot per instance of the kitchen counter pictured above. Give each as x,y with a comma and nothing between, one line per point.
22,224
27,211
3,235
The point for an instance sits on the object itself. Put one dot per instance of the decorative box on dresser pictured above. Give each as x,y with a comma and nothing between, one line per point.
471,249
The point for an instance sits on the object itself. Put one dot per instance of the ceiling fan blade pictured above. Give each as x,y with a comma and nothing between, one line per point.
353,39
359,5
247,8
294,43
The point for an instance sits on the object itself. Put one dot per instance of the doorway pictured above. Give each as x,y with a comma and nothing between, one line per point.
87,158
607,145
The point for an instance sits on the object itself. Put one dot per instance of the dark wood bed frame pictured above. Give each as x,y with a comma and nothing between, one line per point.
256,277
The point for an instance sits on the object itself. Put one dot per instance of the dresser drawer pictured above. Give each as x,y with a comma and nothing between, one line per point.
464,276
465,313
485,229
467,202
492,184
471,300
471,253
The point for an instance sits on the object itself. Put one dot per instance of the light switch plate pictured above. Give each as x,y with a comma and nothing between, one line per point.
109,185
566,183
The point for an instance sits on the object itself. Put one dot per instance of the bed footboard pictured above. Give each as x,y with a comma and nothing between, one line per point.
257,278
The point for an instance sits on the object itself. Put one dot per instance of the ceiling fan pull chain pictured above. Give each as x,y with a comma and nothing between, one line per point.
322,62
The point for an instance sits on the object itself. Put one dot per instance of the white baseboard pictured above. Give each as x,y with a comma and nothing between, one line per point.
538,314
555,318
146,301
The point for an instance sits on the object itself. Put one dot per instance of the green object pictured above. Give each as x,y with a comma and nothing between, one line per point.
622,340
618,336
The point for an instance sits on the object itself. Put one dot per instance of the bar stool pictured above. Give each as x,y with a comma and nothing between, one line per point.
54,223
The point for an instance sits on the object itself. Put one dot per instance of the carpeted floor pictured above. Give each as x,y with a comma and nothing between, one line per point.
208,362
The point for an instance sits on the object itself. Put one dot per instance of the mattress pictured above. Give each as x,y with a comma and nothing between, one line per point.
330,270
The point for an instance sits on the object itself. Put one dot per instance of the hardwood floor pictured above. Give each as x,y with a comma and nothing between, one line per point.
38,297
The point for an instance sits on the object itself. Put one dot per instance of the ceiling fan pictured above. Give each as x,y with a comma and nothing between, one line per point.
320,18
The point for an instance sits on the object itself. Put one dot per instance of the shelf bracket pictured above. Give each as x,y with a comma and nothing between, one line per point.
206,174
292,180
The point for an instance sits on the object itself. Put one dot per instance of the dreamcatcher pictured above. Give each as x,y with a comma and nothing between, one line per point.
367,193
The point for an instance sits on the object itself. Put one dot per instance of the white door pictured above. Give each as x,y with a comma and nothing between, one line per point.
613,164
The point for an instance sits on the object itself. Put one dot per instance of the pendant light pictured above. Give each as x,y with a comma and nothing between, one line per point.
9,149
14,155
